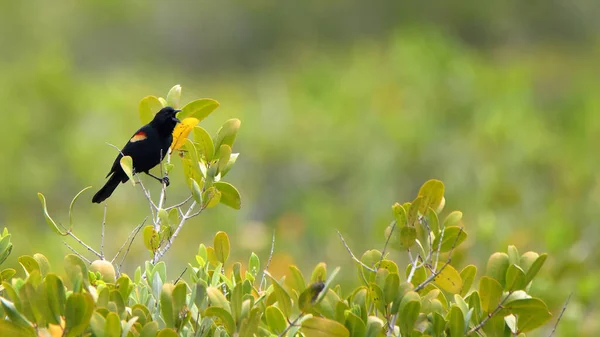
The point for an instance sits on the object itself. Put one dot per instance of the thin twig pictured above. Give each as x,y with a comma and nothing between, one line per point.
163,250
102,234
131,242
180,276
292,324
437,258
268,263
153,206
354,257
562,311
77,253
130,237
490,315
179,204
84,244
434,275
387,241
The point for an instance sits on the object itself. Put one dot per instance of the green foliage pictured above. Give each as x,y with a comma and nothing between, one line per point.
431,299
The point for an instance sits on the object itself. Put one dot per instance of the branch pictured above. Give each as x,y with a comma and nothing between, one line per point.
131,237
102,234
179,204
490,315
561,314
268,263
291,325
387,241
354,257
77,253
185,217
70,233
434,275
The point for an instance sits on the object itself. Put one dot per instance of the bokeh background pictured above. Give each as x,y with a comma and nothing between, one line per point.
346,108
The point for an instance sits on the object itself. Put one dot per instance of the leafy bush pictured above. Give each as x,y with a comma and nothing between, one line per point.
219,297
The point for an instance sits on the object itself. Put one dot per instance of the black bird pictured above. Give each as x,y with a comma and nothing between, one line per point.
147,147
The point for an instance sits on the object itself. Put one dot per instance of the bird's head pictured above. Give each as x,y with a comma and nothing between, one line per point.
165,121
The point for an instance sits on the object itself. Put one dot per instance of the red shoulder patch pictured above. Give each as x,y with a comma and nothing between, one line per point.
138,136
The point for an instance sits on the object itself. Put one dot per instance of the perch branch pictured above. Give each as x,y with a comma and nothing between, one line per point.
354,257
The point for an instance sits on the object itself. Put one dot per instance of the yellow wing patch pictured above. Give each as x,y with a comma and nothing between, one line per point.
138,136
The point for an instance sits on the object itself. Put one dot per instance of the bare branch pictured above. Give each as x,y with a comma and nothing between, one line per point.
70,233
180,276
185,217
136,231
268,263
387,241
179,204
131,237
435,274
354,257
102,234
291,324
562,311
77,253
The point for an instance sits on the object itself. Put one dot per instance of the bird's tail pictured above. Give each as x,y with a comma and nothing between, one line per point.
108,188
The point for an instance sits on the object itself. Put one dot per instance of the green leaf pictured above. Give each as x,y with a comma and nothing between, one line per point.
535,268
199,109
179,301
221,246
408,312
456,322
204,143
467,275
6,274
151,238
224,156
450,239
211,197
217,299
167,332
76,270
453,219
232,159
49,219
29,264
355,325
112,327
399,214
296,281
250,324
224,316
322,327
196,191
515,278
149,106
413,211
527,260
166,305
532,313
98,324
150,329
55,293
374,326
432,193
127,166
174,96
408,236
227,134
490,292
319,274
449,280
391,287
230,196
78,312
497,266
275,319
283,298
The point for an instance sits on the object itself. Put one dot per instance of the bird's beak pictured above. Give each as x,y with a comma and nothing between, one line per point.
175,119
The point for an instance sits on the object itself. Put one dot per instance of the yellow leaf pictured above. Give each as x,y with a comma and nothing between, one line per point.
449,280
181,131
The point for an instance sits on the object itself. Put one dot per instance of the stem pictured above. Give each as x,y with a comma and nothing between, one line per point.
354,257
185,217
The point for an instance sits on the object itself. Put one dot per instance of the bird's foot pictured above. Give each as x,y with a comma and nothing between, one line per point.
165,180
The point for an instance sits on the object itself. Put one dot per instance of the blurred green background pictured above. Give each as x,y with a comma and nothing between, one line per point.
346,108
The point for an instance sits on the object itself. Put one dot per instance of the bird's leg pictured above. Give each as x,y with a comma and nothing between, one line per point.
164,180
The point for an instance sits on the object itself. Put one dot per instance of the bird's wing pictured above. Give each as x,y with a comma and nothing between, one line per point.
135,145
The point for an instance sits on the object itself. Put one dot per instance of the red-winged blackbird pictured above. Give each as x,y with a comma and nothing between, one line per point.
147,147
